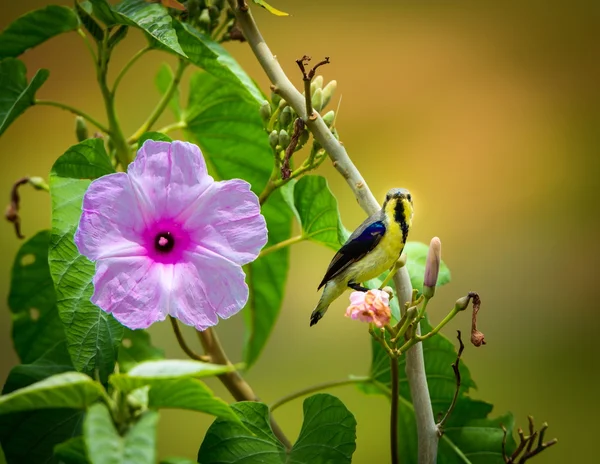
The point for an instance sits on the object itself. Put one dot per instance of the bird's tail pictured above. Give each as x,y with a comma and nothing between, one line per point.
331,291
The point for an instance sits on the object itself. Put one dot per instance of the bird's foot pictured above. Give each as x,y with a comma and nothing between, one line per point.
357,287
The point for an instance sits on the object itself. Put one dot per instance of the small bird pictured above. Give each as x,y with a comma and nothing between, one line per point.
371,249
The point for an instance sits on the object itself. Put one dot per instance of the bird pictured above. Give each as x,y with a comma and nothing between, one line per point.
372,248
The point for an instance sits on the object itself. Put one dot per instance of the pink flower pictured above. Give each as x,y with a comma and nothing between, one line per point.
169,240
372,306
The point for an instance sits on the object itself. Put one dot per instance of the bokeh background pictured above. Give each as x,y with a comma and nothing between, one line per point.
487,112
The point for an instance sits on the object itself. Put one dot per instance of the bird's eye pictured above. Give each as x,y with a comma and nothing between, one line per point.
408,197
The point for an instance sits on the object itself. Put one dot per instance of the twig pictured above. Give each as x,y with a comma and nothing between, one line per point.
75,111
12,210
415,365
307,78
526,444
184,346
289,151
455,368
394,411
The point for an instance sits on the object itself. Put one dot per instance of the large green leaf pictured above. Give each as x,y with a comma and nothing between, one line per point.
72,451
16,95
328,435
84,12
226,124
32,301
36,27
93,336
68,390
106,446
136,347
316,209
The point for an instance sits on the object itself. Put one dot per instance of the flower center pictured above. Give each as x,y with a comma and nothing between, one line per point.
164,242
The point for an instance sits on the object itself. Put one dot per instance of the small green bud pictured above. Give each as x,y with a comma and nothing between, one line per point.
265,112
317,100
411,313
285,118
329,117
462,303
39,183
284,138
282,104
328,92
317,83
273,139
275,99
81,130
204,19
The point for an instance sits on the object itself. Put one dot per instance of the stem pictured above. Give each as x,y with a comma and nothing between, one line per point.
394,412
233,381
220,28
317,388
171,127
126,68
76,111
88,45
415,365
280,245
439,327
162,104
184,346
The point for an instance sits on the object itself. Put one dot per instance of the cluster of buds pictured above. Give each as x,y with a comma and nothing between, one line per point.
204,15
321,97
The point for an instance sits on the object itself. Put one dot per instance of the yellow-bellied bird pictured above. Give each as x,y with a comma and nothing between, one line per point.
372,248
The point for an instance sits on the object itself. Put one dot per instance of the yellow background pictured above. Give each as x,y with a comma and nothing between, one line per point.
487,112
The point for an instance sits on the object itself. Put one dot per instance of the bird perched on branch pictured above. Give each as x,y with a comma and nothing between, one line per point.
372,248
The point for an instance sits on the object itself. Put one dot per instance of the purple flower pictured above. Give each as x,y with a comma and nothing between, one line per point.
169,240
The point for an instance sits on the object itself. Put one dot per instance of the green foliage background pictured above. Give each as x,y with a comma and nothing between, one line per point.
487,113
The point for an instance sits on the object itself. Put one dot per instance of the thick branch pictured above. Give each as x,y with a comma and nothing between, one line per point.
415,365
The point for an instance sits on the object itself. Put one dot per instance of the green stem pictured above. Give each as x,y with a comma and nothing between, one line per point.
162,104
88,45
184,346
126,68
419,338
281,245
423,309
394,411
317,388
171,127
76,111
221,28
397,265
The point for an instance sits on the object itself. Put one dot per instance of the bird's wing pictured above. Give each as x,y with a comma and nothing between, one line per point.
361,242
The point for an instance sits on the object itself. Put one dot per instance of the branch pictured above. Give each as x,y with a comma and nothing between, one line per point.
415,364
457,375
75,111
184,346
526,444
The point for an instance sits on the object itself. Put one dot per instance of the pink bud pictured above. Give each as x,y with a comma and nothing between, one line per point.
432,267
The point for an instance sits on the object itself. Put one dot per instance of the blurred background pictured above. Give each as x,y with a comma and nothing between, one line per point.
487,111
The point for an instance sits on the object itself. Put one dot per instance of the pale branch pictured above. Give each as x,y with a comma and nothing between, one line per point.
415,364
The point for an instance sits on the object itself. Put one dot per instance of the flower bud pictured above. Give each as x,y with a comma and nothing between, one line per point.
317,83
317,100
265,112
328,92
389,290
81,130
39,183
284,138
432,267
282,104
275,99
411,313
329,117
273,139
462,303
285,118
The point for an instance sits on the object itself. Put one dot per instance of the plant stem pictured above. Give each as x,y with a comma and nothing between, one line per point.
317,388
233,381
76,111
280,245
415,365
126,68
184,346
162,104
394,411
88,45
171,127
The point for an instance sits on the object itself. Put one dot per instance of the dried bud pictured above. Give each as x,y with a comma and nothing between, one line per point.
284,138
265,112
328,92
477,338
432,267
329,117
81,130
273,139
285,118
317,100
462,303
302,139
317,83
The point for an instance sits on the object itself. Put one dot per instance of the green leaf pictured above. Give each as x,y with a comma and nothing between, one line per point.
416,254
151,371
32,301
269,8
72,451
316,209
163,80
106,446
328,435
103,11
156,136
136,347
83,11
93,336
36,27
175,460
226,124
68,390
16,95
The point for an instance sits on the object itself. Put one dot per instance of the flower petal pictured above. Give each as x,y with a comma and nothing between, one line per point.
228,221
111,223
169,177
131,289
